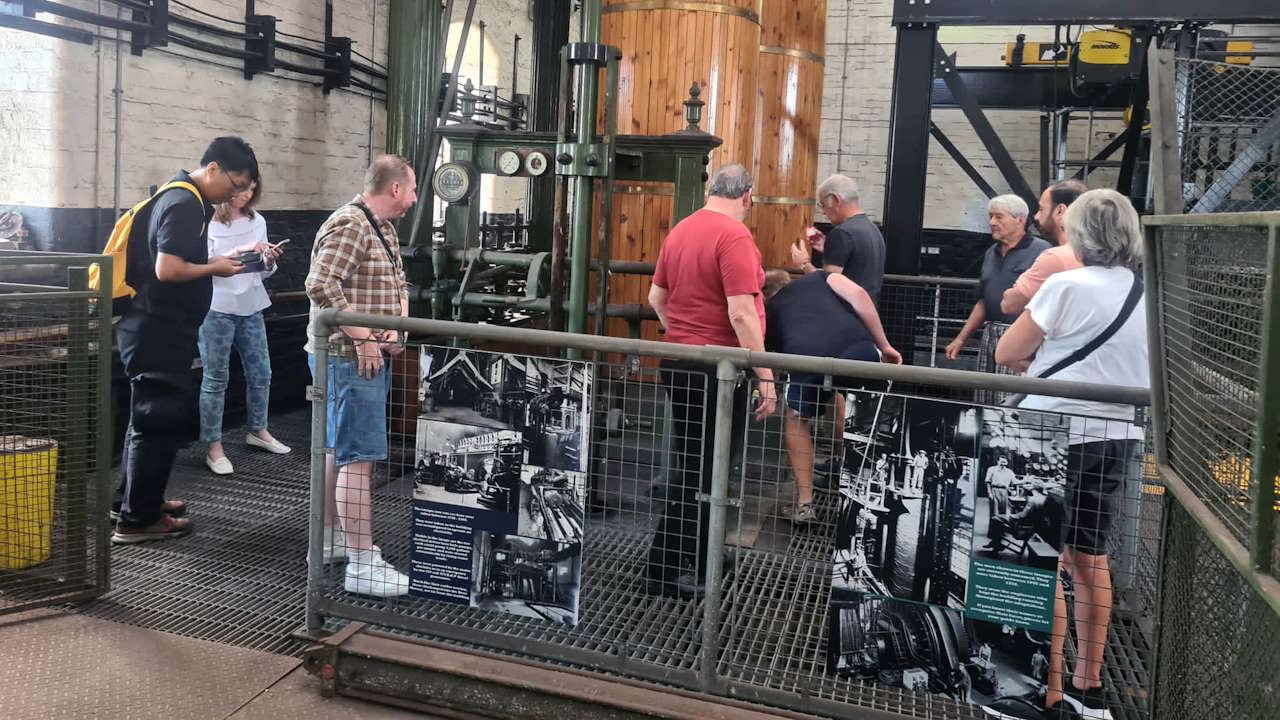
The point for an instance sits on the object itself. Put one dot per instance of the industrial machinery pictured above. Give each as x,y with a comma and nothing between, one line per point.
536,267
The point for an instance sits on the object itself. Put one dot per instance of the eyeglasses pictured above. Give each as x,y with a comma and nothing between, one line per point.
236,187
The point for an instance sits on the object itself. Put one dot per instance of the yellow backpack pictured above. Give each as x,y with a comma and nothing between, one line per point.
118,244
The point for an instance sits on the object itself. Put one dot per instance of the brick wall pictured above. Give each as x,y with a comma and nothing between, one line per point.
57,127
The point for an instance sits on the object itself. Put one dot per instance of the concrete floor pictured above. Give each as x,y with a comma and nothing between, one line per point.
59,666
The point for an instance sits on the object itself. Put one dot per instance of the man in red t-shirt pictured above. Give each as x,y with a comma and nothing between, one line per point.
707,290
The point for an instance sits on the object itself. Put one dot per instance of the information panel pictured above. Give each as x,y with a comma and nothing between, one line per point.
499,481
946,549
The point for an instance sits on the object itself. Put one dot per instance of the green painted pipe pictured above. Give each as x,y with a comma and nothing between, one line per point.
583,197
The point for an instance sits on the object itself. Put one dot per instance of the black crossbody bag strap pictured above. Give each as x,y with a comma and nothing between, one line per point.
374,222
1130,302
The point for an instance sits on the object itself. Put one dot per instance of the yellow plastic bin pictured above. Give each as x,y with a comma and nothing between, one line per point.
28,467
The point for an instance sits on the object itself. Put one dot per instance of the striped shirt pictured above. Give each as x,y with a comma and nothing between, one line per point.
351,270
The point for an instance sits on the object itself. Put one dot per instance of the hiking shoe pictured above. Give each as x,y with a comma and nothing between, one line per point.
163,529
375,578
172,508
1091,703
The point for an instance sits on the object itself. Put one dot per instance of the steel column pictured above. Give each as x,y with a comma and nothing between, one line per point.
1084,12
550,33
908,154
963,161
1131,182
1166,162
583,185
103,424
75,475
1266,437
987,134
318,395
721,462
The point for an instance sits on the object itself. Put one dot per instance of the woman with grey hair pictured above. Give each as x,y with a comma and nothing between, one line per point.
1088,325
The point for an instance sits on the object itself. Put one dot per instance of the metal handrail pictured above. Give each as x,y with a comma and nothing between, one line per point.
740,358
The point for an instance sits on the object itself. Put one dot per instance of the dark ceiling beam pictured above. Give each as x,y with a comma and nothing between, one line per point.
1082,12
1027,88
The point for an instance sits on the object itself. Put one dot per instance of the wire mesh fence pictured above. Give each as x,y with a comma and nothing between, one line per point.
1213,281
1229,128
53,435
921,316
658,543
877,555
1217,648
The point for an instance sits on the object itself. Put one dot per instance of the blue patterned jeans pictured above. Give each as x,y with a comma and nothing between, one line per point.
248,335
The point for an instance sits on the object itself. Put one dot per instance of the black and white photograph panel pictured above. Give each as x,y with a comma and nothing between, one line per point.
1022,474
468,466
471,387
529,577
556,424
552,503
906,500
925,648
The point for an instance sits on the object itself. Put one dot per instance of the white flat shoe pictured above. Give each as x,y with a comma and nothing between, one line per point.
275,446
221,466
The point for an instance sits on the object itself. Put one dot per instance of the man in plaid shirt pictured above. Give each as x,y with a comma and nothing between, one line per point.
355,265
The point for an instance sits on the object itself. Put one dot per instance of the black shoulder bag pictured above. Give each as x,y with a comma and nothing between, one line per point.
1126,310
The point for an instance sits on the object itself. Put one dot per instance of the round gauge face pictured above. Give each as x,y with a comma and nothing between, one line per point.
509,162
452,182
536,163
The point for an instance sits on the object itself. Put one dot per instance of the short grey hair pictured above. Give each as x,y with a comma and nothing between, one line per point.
1011,204
731,181
842,186
1104,230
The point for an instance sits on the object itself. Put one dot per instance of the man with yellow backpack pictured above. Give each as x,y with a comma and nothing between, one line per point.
166,284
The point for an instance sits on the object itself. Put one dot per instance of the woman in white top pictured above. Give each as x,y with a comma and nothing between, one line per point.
235,320
1071,309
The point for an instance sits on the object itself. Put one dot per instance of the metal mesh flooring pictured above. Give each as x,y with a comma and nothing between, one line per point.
240,579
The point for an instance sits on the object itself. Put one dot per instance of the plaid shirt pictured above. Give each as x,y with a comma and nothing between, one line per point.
350,270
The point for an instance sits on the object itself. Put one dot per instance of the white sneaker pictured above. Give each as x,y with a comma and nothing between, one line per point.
221,466
335,545
374,577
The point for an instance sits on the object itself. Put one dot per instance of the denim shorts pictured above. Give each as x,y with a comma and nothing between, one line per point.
805,392
356,428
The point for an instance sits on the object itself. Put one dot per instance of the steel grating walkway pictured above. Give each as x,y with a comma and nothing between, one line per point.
240,580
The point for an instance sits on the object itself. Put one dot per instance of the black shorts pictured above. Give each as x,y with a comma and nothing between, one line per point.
1096,474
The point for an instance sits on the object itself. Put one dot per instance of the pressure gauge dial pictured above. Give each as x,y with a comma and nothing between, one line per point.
536,163
509,162
454,182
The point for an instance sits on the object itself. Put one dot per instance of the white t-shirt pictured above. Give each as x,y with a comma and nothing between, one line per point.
1073,308
241,294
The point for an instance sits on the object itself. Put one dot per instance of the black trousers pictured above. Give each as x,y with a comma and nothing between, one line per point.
163,417
680,540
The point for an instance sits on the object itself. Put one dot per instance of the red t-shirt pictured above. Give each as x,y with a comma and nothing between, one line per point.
706,258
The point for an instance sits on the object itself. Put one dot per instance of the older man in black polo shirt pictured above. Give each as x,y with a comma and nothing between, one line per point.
1013,252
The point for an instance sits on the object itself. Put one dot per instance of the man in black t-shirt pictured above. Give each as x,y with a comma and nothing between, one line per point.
854,247
169,268
824,315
